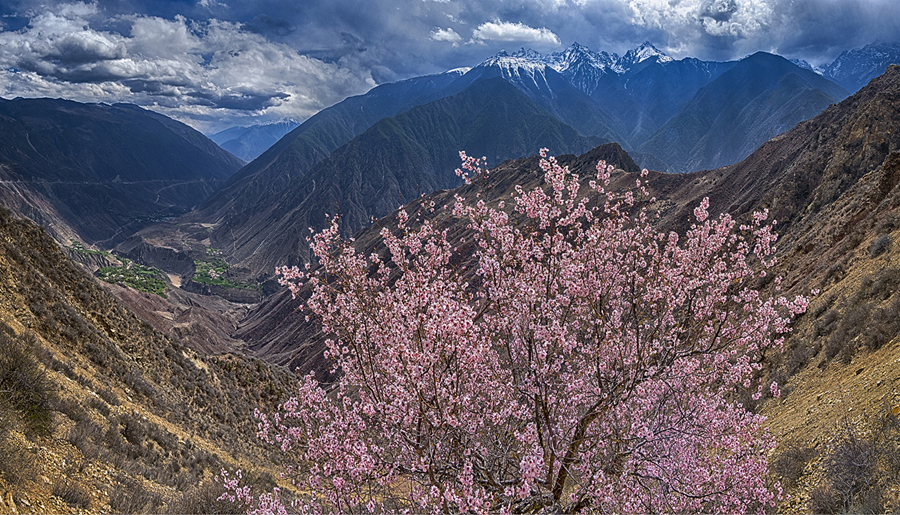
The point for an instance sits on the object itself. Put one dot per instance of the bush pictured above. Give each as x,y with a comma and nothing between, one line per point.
85,436
131,497
24,382
73,494
791,462
204,498
879,245
856,475
109,396
16,463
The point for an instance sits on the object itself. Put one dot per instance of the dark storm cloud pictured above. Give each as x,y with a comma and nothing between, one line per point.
197,69
250,101
269,25
206,60
819,30
719,10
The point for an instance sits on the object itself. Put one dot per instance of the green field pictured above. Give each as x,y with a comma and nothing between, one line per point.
212,271
139,277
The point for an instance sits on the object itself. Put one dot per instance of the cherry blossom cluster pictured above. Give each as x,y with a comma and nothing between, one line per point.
588,364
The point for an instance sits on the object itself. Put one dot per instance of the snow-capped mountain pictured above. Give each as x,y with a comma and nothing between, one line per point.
579,55
525,69
640,56
853,69
583,67
578,59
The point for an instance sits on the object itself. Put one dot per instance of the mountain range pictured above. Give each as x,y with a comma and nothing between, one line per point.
832,187
368,154
854,69
670,115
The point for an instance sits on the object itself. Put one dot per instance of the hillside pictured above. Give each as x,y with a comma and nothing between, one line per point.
713,114
97,173
264,179
101,413
392,162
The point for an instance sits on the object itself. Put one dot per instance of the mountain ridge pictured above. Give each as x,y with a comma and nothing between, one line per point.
96,171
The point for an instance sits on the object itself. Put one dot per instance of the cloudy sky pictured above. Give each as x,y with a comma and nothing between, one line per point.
219,63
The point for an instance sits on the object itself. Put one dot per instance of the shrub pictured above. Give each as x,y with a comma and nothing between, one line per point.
791,462
16,463
858,472
879,245
131,497
24,382
205,498
85,436
72,493
109,396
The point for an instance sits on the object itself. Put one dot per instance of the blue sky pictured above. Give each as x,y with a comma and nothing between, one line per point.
218,63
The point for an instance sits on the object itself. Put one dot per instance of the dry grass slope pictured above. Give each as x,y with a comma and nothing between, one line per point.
103,414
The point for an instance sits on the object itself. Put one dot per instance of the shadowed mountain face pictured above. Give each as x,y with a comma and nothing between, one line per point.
277,332
265,178
760,97
393,162
623,99
99,172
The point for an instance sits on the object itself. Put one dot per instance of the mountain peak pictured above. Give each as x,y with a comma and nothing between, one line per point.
642,53
577,56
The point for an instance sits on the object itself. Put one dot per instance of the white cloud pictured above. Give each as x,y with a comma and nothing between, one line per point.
447,34
199,72
506,31
209,4
735,18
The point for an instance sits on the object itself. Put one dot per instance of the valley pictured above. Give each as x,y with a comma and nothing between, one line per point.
143,285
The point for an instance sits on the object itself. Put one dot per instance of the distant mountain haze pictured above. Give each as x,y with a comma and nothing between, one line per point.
756,99
854,69
295,153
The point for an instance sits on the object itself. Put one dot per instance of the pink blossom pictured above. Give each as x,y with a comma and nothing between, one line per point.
589,365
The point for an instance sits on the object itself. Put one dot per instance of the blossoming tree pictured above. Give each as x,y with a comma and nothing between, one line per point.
589,363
